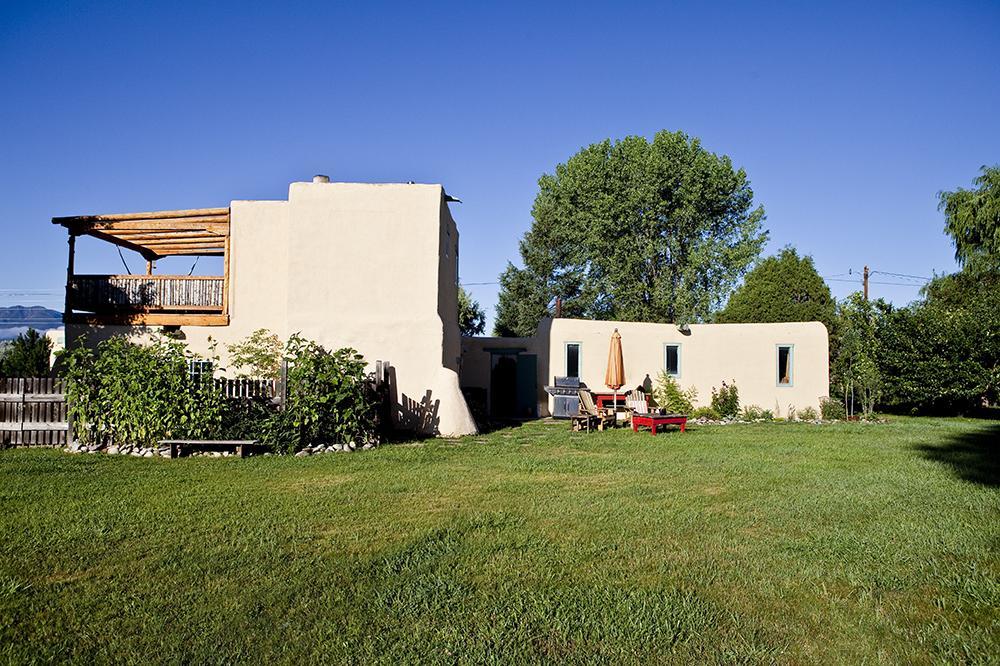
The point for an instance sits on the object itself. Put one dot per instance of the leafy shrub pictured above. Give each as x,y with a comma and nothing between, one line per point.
831,410
671,397
26,356
248,418
727,400
706,413
755,413
807,414
127,393
258,355
329,398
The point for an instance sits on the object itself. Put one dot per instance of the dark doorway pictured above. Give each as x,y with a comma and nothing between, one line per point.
503,386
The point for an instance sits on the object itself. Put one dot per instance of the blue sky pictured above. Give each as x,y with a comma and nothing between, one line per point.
848,117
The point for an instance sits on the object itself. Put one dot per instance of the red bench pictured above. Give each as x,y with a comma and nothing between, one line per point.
652,421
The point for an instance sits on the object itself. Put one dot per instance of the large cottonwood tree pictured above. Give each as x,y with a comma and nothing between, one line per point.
635,230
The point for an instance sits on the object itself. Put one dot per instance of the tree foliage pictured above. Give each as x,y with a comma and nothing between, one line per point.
943,353
471,317
258,355
972,219
785,287
856,371
26,356
635,230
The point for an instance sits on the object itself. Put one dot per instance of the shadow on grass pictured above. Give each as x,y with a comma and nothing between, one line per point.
413,437
973,456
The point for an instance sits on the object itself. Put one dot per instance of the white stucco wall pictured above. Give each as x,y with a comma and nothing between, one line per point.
709,355
350,265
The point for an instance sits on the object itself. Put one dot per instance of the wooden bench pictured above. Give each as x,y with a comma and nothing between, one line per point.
179,447
654,420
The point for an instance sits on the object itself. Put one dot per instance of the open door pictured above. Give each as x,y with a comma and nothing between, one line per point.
527,385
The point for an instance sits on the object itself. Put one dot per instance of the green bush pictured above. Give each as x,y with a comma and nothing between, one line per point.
727,400
127,393
329,398
671,397
755,413
258,355
807,414
832,410
706,413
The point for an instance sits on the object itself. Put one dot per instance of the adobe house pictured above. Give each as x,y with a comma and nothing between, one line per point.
375,267
774,366
368,266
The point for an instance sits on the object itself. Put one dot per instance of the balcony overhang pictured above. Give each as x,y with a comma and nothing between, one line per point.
151,300
199,231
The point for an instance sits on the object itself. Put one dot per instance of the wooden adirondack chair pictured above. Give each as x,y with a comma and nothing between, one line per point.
589,416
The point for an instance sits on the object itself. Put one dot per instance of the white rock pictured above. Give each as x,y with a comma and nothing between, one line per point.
303,452
148,453
368,446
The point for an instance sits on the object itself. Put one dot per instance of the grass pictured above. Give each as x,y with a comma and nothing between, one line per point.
758,543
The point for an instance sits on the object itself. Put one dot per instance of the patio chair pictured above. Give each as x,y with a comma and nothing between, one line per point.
635,406
589,416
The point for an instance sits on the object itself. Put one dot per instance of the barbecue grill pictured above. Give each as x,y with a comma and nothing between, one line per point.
566,394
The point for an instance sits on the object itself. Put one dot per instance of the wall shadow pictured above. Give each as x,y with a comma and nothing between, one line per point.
419,417
973,456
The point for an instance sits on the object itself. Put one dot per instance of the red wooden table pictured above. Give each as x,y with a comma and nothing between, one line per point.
608,399
654,420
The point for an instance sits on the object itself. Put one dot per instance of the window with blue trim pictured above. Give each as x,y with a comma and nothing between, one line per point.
785,365
572,359
672,360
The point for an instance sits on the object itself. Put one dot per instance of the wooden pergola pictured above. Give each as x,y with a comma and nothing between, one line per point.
152,299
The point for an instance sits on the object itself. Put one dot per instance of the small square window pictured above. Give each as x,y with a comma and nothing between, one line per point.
785,361
672,360
200,370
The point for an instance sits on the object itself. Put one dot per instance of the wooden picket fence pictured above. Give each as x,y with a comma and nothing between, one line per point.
249,388
33,412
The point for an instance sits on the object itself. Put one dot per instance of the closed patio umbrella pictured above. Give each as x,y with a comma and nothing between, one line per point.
614,378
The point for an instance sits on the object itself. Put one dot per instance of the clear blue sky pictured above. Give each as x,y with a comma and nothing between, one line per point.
848,117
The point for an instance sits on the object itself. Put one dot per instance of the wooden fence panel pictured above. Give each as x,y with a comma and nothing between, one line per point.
33,412
248,388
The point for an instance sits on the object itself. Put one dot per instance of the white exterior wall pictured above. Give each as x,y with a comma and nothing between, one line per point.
709,355
366,271
349,265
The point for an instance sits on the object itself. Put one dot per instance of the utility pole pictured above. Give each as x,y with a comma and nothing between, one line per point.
866,283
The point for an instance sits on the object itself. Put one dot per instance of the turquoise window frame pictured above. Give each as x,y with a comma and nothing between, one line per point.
579,359
679,362
791,365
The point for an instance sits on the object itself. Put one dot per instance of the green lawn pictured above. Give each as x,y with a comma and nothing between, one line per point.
757,543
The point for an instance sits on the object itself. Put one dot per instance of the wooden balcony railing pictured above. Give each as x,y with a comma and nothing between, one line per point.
129,295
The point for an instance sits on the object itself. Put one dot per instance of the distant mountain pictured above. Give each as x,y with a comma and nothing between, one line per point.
16,319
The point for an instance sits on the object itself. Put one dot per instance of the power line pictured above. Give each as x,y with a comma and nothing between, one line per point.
903,275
